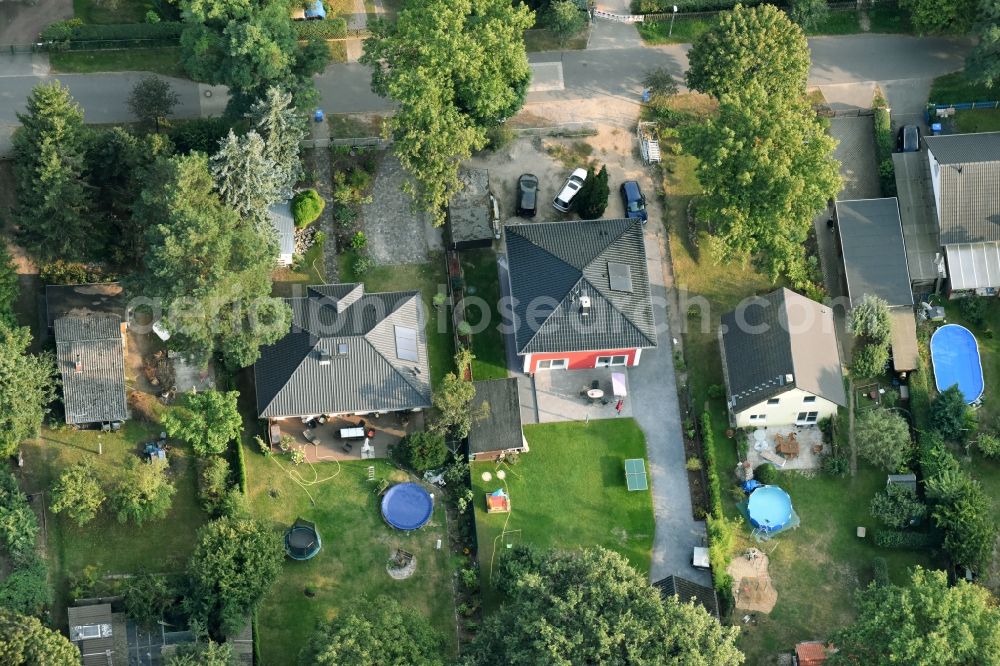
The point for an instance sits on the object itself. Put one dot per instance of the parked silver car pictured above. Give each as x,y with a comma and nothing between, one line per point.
564,199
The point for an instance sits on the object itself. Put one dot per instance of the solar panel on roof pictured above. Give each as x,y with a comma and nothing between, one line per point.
620,276
406,343
635,474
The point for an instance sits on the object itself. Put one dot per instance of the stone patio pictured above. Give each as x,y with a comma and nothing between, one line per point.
389,430
560,395
807,436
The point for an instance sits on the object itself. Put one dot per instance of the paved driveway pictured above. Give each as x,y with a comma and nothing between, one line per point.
856,153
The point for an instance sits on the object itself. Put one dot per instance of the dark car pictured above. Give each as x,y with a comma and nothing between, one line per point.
908,139
527,195
634,201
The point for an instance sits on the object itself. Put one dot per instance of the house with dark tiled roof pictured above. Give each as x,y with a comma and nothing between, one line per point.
348,352
498,429
688,591
965,179
780,361
90,352
580,295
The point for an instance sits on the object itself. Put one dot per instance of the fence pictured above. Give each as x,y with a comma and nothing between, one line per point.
964,106
353,142
566,129
666,16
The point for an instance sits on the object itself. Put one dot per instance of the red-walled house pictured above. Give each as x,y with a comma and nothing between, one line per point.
579,294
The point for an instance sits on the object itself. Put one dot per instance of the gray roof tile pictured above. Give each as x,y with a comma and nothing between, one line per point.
774,336
284,226
293,380
97,392
553,265
970,186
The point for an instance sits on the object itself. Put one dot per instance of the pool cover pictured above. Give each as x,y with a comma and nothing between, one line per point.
956,361
407,506
769,508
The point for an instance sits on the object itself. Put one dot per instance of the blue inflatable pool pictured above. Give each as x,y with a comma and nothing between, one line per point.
769,508
407,506
955,355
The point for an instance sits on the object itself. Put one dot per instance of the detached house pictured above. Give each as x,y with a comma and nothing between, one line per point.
579,294
781,362
348,352
965,178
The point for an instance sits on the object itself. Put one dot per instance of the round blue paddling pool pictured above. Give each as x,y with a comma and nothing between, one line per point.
407,506
770,508
955,355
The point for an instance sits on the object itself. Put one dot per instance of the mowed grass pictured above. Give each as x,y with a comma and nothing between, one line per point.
955,88
685,30
816,568
978,120
164,60
428,278
483,297
105,544
357,545
121,11
568,491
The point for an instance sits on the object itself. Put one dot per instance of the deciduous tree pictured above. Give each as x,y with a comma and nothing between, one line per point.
24,641
55,206
456,69
27,386
424,450
249,47
767,168
897,507
565,19
147,598
232,567
78,493
869,319
808,14
591,607
883,439
925,623
453,399
152,99
209,421
211,271
377,633
930,16
750,48
143,492
206,653
983,62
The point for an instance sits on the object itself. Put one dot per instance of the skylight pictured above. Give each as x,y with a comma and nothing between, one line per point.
406,343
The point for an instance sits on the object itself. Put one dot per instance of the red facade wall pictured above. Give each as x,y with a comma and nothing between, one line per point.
582,360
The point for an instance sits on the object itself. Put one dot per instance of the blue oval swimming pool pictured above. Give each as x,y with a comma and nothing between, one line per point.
955,355
769,508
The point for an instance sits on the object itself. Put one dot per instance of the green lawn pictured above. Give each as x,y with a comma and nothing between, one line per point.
121,11
540,39
568,491
357,544
429,278
164,60
685,30
978,120
310,270
955,88
483,282
106,544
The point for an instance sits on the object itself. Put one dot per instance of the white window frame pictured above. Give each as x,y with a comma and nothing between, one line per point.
758,417
610,360
553,364
806,418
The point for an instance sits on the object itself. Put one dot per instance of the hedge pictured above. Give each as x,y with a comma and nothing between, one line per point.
900,540
74,31
685,6
884,144
326,29
241,467
720,530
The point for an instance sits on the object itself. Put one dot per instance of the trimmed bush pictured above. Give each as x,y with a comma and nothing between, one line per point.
973,308
330,28
884,145
74,34
307,206
765,473
897,540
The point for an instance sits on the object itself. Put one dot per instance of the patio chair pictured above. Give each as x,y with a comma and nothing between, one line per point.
347,446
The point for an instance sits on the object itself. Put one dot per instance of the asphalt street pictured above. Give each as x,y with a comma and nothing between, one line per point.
846,67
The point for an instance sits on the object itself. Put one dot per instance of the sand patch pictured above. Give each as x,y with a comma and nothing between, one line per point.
753,589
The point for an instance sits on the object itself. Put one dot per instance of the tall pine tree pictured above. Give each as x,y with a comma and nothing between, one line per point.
282,129
55,206
247,179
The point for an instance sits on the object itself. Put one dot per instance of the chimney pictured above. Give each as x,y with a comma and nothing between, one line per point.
789,379
584,305
78,364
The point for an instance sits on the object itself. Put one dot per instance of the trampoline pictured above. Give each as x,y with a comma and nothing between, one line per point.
302,540
407,506
955,355
769,508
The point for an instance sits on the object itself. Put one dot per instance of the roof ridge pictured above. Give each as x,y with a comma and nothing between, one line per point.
392,365
615,308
